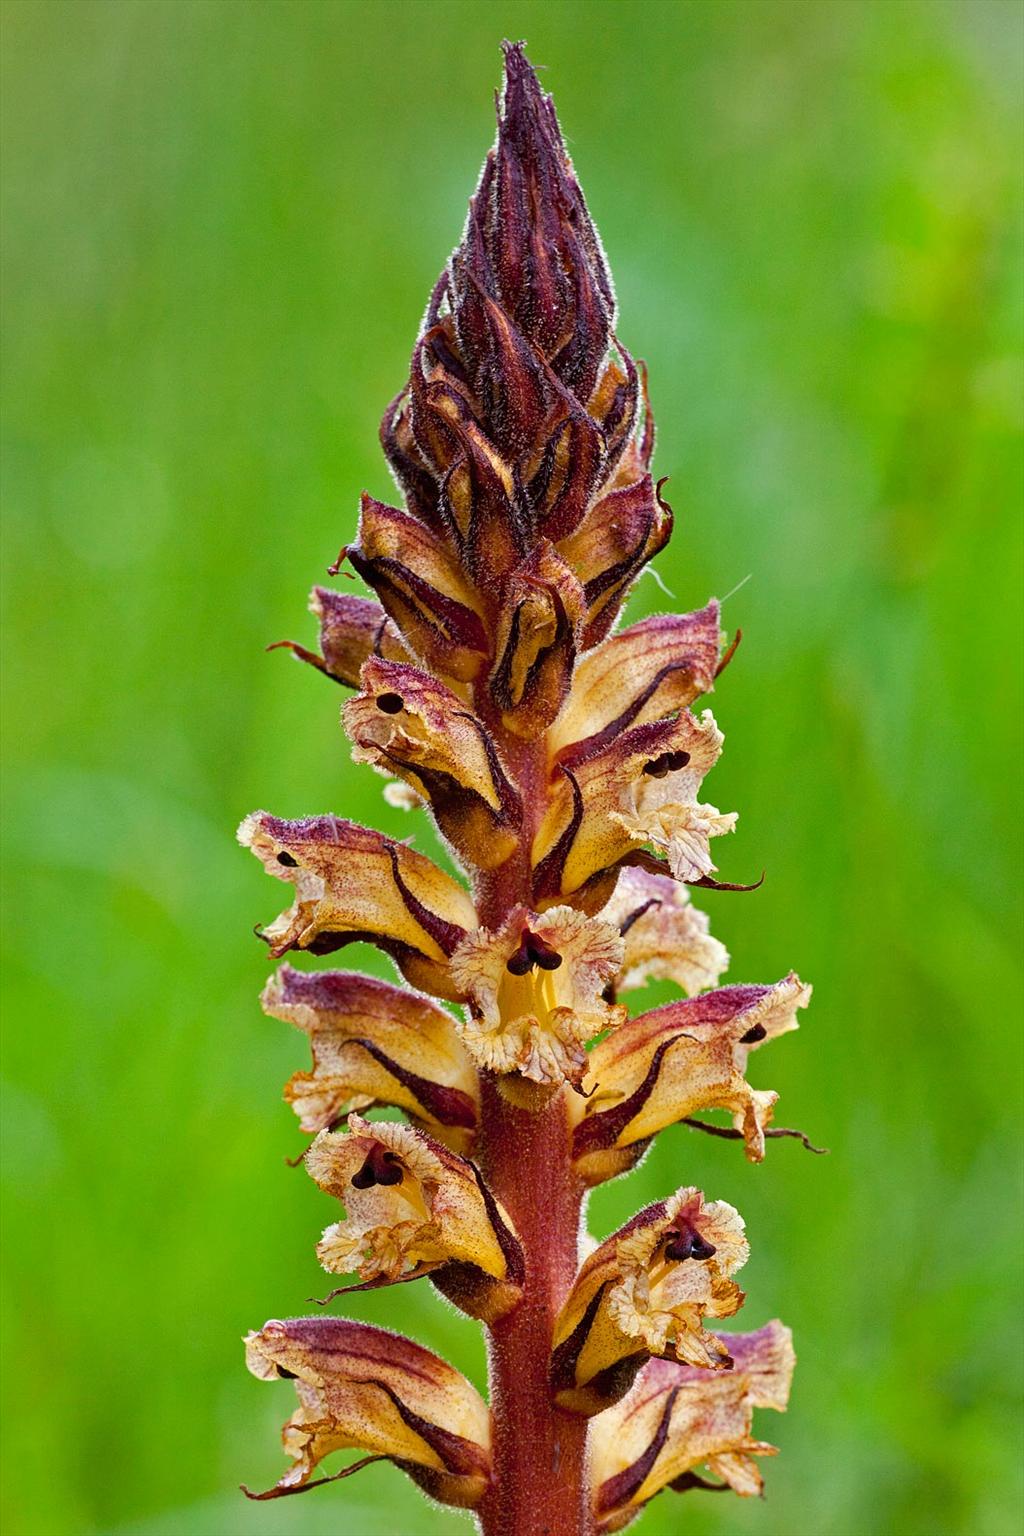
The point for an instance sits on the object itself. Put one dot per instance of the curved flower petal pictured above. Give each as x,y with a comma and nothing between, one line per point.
666,938
352,883
535,991
649,671
412,1206
535,646
640,789
676,1418
360,1386
407,723
419,582
645,1291
665,1065
375,1044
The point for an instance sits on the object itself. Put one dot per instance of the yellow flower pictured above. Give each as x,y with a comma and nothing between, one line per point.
646,1291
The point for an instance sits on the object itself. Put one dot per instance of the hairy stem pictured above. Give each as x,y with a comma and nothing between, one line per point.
539,1483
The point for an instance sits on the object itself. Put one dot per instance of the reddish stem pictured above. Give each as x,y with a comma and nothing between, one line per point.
540,1485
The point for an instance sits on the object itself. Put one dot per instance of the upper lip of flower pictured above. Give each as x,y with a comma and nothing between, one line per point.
352,883
374,1043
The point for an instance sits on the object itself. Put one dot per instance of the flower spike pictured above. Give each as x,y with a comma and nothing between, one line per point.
562,764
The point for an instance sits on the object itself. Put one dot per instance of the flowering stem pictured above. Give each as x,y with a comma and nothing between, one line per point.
562,765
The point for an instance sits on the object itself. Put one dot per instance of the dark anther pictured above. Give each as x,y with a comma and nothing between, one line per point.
668,762
286,858
688,1244
380,1167
533,951
390,703
753,1035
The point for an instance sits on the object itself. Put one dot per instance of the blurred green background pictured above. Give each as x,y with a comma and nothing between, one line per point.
222,221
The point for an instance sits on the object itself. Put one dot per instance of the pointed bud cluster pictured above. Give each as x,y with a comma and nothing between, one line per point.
563,766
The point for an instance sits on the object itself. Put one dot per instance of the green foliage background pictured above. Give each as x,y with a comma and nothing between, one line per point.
223,218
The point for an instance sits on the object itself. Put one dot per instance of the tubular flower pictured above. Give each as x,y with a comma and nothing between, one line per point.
639,788
666,1065
374,1044
676,1418
351,883
646,1291
536,992
363,1387
562,764
407,723
415,1208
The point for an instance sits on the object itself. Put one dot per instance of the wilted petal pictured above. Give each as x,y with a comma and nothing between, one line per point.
649,671
363,1387
412,1207
645,1291
665,1065
620,534
352,883
639,789
375,1044
666,937
407,723
535,647
421,585
675,1419
535,991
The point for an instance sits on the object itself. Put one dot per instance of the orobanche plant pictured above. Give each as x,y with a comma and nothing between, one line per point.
562,763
